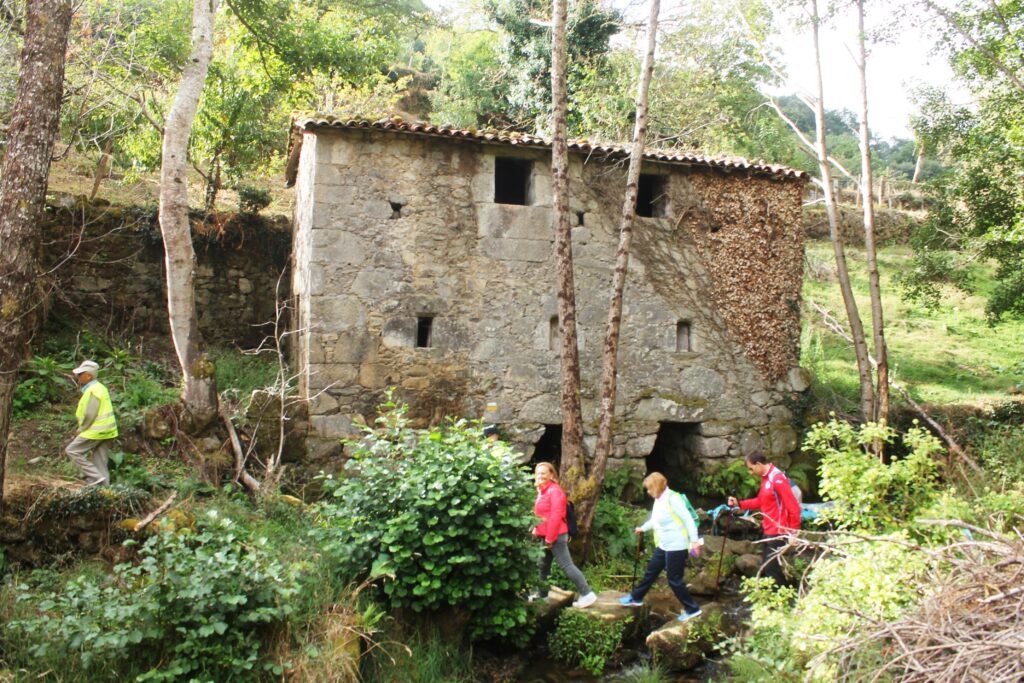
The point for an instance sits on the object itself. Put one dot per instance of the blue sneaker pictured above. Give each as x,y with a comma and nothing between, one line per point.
628,601
686,616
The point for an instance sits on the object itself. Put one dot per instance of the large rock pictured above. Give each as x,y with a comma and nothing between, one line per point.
681,646
748,565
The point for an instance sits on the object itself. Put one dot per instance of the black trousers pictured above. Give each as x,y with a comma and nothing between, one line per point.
674,564
770,565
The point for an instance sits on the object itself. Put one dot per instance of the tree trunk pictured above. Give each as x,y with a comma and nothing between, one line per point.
23,176
919,166
573,462
610,357
199,393
881,406
102,167
867,392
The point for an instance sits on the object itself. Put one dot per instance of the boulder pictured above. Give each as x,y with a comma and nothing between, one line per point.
748,564
681,646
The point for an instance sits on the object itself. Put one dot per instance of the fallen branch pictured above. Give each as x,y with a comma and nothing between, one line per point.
236,445
145,521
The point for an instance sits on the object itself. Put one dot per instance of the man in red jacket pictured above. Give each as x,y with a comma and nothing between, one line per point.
780,511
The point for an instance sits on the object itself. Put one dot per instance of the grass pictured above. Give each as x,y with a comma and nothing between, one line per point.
945,356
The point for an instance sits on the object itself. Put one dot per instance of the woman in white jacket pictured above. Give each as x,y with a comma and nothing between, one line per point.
675,536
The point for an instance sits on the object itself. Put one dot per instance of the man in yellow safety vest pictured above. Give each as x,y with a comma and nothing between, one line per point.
96,426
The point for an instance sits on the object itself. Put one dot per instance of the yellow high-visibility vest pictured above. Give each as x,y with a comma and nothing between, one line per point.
104,426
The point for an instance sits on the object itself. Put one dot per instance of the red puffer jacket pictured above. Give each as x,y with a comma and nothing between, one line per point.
777,519
550,507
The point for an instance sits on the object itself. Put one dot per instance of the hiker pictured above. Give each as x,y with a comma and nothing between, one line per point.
553,531
96,426
675,536
780,511
492,433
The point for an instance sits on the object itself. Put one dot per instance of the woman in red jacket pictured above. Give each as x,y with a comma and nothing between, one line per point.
554,532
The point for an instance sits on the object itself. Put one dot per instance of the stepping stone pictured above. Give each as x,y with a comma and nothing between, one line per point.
681,646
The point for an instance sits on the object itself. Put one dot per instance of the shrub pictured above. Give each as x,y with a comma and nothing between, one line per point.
252,199
868,492
729,480
45,381
194,607
585,640
441,516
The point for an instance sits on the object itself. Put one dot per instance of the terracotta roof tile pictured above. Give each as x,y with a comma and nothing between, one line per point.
600,150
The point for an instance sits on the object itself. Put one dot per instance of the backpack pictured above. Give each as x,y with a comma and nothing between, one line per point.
570,519
797,493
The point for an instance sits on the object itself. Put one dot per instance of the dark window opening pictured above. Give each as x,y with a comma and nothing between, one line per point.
424,329
549,447
675,455
396,209
683,342
579,218
553,333
512,179
651,196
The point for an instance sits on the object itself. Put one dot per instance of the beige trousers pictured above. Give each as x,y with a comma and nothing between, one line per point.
91,457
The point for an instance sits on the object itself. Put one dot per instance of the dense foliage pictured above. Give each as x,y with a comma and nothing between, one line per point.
441,517
192,608
586,640
979,204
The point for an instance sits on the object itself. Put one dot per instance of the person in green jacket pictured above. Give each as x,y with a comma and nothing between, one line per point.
97,427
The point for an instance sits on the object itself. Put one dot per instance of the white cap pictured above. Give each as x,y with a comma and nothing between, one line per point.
89,366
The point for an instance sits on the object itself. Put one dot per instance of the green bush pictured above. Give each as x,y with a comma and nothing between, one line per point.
252,199
729,480
585,640
194,607
869,493
44,381
441,517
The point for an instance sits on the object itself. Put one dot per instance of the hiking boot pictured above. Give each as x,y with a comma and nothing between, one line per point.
686,616
585,600
628,601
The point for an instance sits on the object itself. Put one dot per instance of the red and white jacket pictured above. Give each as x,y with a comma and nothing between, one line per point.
782,517
550,507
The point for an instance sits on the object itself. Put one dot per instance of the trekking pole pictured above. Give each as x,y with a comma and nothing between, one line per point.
636,559
721,555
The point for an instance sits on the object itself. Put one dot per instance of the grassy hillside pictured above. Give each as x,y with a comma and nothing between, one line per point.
947,355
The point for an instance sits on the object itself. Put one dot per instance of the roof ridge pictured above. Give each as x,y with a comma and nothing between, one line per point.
308,122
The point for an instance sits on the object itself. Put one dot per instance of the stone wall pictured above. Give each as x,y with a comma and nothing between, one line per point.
392,229
109,270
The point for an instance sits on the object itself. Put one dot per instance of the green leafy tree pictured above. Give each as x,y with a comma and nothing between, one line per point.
441,517
525,54
978,206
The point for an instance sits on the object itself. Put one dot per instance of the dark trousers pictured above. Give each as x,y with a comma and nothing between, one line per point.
770,565
674,564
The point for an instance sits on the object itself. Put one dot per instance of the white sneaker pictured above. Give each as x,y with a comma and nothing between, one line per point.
586,600
534,597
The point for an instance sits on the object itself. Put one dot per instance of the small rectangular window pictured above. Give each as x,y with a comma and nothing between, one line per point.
652,196
683,336
553,334
512,180
424,330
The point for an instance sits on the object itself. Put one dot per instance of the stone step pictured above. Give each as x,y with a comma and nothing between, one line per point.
681,646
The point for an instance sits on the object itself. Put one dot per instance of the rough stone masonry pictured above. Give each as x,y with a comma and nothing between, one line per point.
424,261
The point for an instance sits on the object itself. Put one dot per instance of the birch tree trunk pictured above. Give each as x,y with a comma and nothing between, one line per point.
881,405
919,166
573,457
199,393
23,176
867,392
610,356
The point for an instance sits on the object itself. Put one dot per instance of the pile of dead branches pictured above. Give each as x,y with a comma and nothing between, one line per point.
969,626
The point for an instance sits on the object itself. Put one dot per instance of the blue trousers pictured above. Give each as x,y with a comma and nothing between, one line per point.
673,562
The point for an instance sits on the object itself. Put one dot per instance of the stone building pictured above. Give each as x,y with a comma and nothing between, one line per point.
424,260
